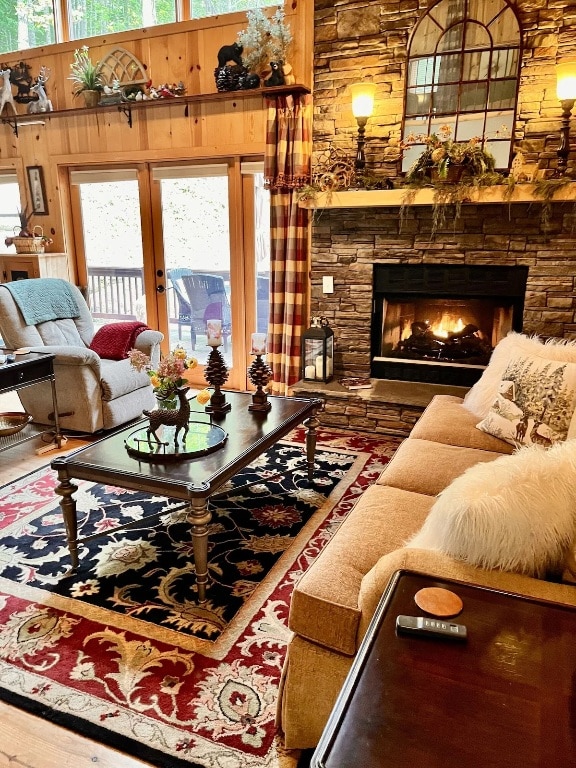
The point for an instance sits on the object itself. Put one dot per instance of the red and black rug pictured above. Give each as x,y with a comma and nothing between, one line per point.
121,652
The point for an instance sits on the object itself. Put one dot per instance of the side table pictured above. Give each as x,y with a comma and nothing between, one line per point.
26,371
504,698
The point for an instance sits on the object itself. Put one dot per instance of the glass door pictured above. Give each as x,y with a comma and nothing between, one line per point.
176,246
112,267
195,231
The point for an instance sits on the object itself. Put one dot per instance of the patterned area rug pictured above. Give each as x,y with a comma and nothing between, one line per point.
121,652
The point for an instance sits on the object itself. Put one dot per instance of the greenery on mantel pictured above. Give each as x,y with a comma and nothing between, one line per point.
451,194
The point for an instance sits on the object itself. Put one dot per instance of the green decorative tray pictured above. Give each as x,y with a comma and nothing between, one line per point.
202,438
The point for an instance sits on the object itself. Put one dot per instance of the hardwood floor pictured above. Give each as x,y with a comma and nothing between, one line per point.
26,740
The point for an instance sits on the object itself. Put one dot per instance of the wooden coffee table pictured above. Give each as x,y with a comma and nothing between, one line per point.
193,480
503,698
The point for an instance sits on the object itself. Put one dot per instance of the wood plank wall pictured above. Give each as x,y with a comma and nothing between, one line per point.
184,51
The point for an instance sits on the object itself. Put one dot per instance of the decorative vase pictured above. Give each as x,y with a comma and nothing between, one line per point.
167,403
91,98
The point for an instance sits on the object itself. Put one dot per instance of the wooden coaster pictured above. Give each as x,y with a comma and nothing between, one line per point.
438,601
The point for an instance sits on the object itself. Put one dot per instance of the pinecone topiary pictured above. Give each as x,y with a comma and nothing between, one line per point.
216,372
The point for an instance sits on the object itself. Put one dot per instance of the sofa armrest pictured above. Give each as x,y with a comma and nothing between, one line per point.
67,355
149,343
433,563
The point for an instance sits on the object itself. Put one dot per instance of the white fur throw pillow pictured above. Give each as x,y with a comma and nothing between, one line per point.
517,513
480,397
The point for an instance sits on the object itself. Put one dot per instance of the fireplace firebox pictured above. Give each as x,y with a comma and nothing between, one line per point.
439,323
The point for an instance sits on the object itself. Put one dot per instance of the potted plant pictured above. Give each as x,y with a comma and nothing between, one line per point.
86,76
265,42
28,239
444,159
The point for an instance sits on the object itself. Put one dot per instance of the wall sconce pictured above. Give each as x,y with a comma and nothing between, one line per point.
566,91
362,108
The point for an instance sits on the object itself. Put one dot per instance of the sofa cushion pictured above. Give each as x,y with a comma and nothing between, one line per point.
445,420
535,402
480,397
409,468
324,605
517,513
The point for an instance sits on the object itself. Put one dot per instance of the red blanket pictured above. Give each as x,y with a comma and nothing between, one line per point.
114,341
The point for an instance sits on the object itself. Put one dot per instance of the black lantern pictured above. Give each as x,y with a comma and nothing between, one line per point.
318,351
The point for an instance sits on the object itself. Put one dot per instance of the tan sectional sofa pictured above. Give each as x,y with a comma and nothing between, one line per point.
336,598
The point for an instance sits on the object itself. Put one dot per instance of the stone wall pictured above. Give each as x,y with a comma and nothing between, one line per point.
366,39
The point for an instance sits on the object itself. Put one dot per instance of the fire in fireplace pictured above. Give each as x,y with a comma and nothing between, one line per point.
440,323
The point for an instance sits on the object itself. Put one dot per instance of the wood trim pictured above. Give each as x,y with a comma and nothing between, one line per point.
239,289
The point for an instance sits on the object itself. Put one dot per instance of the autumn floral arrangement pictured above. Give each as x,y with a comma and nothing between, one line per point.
442,153
171,373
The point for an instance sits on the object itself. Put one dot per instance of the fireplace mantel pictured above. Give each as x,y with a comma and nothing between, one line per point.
390,198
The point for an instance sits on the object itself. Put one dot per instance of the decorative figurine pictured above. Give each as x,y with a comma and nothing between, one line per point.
6,96
42,103
233,77
170,418
22,79
230,53
277,76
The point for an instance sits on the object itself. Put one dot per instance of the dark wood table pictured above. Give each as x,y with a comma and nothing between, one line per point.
25,371
192,479
504,698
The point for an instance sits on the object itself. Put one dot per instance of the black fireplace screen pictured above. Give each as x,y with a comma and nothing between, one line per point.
440,323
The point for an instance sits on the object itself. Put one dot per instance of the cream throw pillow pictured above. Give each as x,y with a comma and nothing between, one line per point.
535,403
481,396
516,513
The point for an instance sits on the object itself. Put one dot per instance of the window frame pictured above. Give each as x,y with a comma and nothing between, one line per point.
431,118
182,12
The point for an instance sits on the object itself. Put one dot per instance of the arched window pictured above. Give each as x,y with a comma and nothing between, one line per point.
463,69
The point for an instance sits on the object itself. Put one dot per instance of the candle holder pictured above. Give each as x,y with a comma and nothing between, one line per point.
259,374
216,374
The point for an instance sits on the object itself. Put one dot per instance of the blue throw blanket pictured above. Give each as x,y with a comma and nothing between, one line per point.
39,300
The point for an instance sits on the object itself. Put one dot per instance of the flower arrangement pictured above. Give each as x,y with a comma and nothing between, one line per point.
442,152
170,375
266,39
86,76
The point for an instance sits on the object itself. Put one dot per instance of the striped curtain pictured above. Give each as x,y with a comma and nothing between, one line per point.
287,168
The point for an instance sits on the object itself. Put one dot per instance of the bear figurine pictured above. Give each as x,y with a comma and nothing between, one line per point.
230,53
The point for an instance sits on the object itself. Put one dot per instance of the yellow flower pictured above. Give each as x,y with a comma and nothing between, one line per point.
203,396
155,381
191,362
179,353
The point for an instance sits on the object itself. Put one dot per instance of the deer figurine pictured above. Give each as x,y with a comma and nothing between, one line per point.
168,418
43,104
6,96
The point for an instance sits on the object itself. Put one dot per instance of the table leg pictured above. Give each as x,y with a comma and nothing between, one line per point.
311,425
68,505
199,517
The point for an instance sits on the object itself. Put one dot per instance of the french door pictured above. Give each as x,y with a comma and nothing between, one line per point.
176,245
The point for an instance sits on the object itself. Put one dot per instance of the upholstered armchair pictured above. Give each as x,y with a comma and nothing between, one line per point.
94,393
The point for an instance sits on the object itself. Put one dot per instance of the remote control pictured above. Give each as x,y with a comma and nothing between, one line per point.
421,625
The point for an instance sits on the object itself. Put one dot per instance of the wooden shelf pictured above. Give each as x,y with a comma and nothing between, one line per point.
127,107
390,198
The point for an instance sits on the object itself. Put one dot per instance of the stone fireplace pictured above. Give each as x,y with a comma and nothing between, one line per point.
349,243
440,322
